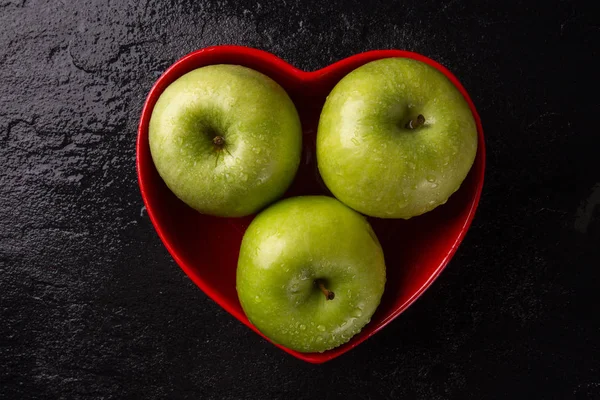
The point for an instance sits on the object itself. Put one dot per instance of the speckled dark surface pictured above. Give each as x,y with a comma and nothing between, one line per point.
93,306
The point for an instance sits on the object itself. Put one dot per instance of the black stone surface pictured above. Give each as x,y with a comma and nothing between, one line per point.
93,306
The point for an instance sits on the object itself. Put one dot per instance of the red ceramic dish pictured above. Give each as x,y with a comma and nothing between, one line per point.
206,248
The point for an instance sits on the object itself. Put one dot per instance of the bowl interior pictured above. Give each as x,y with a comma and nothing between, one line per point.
206,247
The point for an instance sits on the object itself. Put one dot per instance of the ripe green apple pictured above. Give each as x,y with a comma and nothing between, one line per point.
311,273
395,139
225,139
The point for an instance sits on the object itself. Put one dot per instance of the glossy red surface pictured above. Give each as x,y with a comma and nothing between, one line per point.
206,247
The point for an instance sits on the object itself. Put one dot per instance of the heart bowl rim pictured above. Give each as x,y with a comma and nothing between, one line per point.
180,67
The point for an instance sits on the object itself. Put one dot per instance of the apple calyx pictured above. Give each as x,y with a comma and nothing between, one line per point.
415,122
329,295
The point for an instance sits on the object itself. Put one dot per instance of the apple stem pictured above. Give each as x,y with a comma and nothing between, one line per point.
218,141
329,295
416,122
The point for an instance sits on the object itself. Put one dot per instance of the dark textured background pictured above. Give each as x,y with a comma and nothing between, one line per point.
93,306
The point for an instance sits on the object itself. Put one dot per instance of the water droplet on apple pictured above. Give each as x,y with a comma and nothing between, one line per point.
319,339
430,178
257,299
321,328
431,202
355,141
434,185
357,313
302,327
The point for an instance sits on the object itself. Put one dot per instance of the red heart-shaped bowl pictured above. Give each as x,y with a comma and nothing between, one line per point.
206,247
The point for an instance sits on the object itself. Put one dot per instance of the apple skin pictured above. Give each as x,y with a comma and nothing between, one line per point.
372,162
290,245
261,132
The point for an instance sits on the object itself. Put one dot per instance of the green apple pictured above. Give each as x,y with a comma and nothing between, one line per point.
311,273
225,139
395,139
